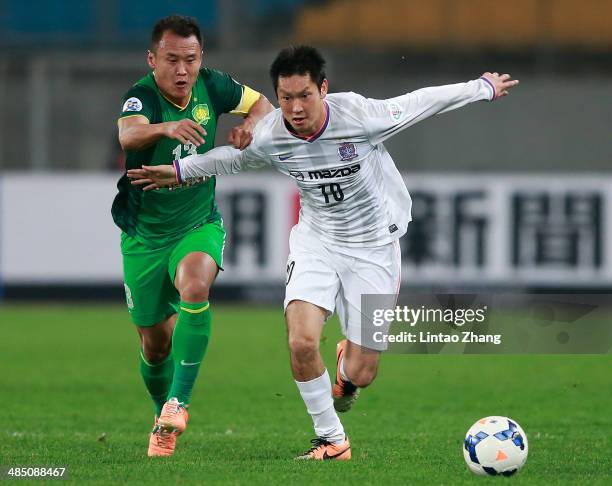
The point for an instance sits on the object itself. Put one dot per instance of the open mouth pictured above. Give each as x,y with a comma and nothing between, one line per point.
181,84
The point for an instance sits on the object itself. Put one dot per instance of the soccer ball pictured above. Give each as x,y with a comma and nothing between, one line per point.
495,445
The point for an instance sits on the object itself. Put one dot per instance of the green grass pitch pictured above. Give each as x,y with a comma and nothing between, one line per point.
72,395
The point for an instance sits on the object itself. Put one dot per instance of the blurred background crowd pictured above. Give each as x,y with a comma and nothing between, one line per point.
515,193
65,66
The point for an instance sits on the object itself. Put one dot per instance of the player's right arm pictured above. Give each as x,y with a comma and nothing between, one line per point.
218,161
139,125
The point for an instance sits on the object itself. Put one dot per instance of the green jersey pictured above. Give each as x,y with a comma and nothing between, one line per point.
157,218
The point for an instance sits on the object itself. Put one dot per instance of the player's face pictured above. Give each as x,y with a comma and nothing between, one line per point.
301,102
176,62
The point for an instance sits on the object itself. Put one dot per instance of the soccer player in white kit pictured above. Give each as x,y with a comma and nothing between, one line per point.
354,209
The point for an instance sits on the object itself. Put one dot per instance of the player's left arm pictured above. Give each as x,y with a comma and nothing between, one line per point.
230,96
384,118
253,106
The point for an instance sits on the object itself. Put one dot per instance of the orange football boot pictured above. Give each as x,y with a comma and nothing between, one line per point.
323,450
173,417
161,443
343,392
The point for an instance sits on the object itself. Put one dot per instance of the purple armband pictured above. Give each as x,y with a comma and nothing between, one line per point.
492,87
177,170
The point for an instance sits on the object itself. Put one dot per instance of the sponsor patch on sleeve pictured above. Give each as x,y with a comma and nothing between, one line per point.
396,112
132,104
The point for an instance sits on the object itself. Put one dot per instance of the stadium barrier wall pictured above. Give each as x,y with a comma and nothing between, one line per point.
512,230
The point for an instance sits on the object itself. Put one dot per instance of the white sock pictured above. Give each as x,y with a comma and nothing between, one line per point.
342,372
317,395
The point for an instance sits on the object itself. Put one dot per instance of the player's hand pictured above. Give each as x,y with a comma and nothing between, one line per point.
242,135
501,84
153,176
184,131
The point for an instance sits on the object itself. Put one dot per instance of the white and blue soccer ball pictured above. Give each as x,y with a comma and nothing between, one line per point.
495,445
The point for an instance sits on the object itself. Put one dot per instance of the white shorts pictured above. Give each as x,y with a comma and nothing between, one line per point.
336,278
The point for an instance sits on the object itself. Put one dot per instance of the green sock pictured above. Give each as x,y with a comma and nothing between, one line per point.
189,343
157,378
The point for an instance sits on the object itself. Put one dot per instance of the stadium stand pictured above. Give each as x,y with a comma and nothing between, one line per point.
462,23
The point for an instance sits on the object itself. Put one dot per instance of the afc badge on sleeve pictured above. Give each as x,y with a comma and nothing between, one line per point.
396,112
132,104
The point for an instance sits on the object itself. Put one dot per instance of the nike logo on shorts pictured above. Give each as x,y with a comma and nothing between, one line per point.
184,363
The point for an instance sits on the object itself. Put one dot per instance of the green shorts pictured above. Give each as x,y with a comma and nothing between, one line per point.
149,272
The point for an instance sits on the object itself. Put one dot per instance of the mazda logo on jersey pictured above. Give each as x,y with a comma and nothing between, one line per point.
326,173
333,173
297,175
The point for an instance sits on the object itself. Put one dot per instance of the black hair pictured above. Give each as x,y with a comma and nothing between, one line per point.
298,60
181,25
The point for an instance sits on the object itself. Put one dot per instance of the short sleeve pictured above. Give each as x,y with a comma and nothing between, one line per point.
139,101
224,91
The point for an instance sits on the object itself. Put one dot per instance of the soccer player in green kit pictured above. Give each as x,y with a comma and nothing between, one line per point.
172,239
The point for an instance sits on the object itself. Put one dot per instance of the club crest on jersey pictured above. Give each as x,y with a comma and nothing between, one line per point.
132,104
201,113
347,151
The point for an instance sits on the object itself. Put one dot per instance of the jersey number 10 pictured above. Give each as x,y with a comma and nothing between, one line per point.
332,190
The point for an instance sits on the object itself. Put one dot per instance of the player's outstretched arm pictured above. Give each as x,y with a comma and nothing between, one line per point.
440,99
153,176
501,84
387,117
219,161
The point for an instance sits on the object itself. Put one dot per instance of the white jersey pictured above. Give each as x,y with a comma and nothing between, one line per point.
351,193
